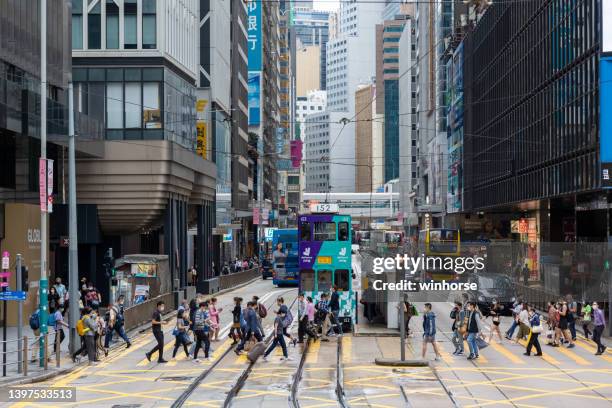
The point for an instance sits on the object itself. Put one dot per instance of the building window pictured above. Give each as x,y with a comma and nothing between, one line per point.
114,105
132,105
151,114
94,28
112,24
149,26
77,24
130,22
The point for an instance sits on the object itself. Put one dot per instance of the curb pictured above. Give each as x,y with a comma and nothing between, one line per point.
399,363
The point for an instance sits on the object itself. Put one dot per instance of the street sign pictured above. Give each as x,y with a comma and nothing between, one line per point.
324,208
219,231
64,242
13,295
5,275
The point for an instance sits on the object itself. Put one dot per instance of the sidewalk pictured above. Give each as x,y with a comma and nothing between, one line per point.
34,369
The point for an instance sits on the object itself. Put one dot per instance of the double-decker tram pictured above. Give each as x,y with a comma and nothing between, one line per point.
436,244
325,256
285,268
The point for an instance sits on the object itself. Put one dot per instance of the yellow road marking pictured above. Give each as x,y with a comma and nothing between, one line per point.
313,352
347,349
589,347
145,362
502,350
545,356
572,355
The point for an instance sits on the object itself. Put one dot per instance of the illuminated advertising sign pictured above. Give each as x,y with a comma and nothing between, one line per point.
606,26
254,35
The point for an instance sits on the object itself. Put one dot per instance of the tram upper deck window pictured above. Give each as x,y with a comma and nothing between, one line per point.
307,280
343,231
305,231
324,231
342,279
325,281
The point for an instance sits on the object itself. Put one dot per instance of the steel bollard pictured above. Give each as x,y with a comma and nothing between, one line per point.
45,351
25,356
57,348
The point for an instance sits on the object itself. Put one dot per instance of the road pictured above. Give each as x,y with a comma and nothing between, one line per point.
503,376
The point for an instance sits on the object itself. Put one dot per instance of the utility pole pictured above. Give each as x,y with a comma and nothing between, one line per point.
19,287
43,283
73,260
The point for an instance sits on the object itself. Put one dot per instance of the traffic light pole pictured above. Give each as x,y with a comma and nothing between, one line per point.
73,260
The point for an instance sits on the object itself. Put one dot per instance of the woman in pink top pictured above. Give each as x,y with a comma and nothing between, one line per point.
214,318
310,309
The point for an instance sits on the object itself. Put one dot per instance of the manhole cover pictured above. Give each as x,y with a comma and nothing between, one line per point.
177,378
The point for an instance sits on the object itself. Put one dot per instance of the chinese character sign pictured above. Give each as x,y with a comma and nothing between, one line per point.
605,121
296,153
201,140
254,35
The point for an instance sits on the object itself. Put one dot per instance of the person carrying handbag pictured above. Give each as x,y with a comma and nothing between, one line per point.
536,328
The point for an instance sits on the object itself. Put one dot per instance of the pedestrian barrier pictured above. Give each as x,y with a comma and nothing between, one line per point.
27,350
238,278
140,314
536,297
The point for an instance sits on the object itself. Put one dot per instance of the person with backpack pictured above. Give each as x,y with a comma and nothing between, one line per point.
287,319
261,311
279,339
252,327
87,326
115,323
458,328
553,323
323,316
201,330
34,322
429,331
563,328
58,325
234,332
587,310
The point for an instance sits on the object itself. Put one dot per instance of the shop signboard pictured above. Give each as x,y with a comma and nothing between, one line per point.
605,95
254,98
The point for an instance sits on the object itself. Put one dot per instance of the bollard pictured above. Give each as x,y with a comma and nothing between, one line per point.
57,348
45,351
25,356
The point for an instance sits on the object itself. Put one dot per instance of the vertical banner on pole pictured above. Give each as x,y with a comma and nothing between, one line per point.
42,184
49,185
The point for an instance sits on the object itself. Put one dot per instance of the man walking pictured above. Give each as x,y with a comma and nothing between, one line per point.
518,307
116,324
252,327
91,328
279,338
599,321
429,331
473,330
158,333
571,315
302,318
201,329
60,289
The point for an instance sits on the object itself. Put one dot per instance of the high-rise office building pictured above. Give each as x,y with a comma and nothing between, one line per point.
136,69
311,30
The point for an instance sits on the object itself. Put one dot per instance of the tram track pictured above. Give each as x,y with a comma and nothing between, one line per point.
340,376
180,401
233,392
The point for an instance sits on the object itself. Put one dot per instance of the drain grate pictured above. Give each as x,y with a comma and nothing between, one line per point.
177,378
127,406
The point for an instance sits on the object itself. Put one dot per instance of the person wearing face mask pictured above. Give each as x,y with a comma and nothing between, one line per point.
158,333
115,324
60,288
91,323
599,321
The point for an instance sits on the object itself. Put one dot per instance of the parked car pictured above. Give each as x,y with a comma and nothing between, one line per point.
492,287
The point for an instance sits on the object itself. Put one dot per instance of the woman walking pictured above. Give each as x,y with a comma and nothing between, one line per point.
495,313
536,329
213,312
180,333
235,332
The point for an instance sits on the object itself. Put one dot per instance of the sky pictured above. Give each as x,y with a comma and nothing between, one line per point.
330,5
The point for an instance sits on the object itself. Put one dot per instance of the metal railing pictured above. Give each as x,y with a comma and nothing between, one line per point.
234,279
27,350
